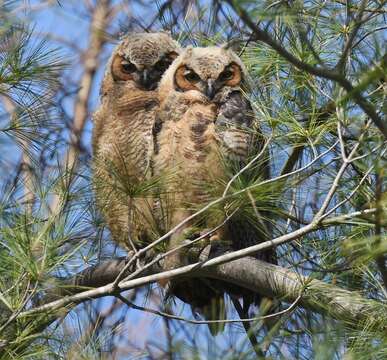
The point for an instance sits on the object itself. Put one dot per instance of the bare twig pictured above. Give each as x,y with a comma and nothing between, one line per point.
201,322
381,260
96,41
330,74
342,218
377,10
349,42
346,161
26,166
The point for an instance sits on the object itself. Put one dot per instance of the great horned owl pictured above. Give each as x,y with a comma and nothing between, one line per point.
205,132
122,134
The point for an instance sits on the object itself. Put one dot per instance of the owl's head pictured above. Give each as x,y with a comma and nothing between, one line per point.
142,58
208,70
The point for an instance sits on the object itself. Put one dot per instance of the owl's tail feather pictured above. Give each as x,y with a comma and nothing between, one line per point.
205,300
243,313
214,311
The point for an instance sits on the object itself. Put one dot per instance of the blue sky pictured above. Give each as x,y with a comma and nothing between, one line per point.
70,24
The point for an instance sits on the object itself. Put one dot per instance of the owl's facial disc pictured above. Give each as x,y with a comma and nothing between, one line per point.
146,77
187,79
151,74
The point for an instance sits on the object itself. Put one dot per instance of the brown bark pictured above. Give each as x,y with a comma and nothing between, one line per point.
264,278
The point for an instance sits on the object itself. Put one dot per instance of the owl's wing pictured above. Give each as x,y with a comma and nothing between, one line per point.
239,129
235,110
242,140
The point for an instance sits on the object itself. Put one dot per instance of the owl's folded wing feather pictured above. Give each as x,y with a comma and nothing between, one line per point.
242,140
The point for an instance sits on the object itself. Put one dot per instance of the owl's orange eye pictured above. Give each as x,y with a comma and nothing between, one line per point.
128,67
232,75
122,69
186,79
226,75
192,77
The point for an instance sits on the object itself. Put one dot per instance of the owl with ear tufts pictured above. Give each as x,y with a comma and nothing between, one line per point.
122,134
204,128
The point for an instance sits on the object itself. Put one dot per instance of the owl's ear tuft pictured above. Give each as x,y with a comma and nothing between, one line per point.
188,50
173,55
166,32
187,53
234,45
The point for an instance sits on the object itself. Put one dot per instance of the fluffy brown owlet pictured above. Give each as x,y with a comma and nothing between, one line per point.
204,134
122,134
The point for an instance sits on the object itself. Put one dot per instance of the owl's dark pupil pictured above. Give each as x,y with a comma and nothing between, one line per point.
162,65
191,76
226,75
128,67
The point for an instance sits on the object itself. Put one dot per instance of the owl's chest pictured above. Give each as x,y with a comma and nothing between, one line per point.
130,101
191,143
124,129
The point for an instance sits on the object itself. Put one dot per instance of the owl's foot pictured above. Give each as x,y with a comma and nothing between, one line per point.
193,246
205,253
209,246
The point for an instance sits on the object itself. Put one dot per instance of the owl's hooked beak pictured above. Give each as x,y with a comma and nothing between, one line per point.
145,80
210,89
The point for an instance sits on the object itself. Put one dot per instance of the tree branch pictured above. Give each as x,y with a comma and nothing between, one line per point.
97,38
274,281
333,75
267,279
322,114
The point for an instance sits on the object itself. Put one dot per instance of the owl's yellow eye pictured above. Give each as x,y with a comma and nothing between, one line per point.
127,67
191,76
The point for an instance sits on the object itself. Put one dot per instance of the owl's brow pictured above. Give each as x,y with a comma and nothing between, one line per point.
231,66
188,69
124,59
168,54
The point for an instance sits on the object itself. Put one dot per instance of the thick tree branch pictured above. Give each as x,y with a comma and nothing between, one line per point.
274,281
267,279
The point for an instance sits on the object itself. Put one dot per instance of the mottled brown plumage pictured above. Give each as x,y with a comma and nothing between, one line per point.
122,134
204,123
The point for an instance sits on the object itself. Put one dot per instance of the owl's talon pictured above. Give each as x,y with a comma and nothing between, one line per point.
190,233
186,243
205,253
139,264
194,249
168,288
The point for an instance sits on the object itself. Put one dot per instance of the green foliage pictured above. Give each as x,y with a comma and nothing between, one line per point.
297,111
